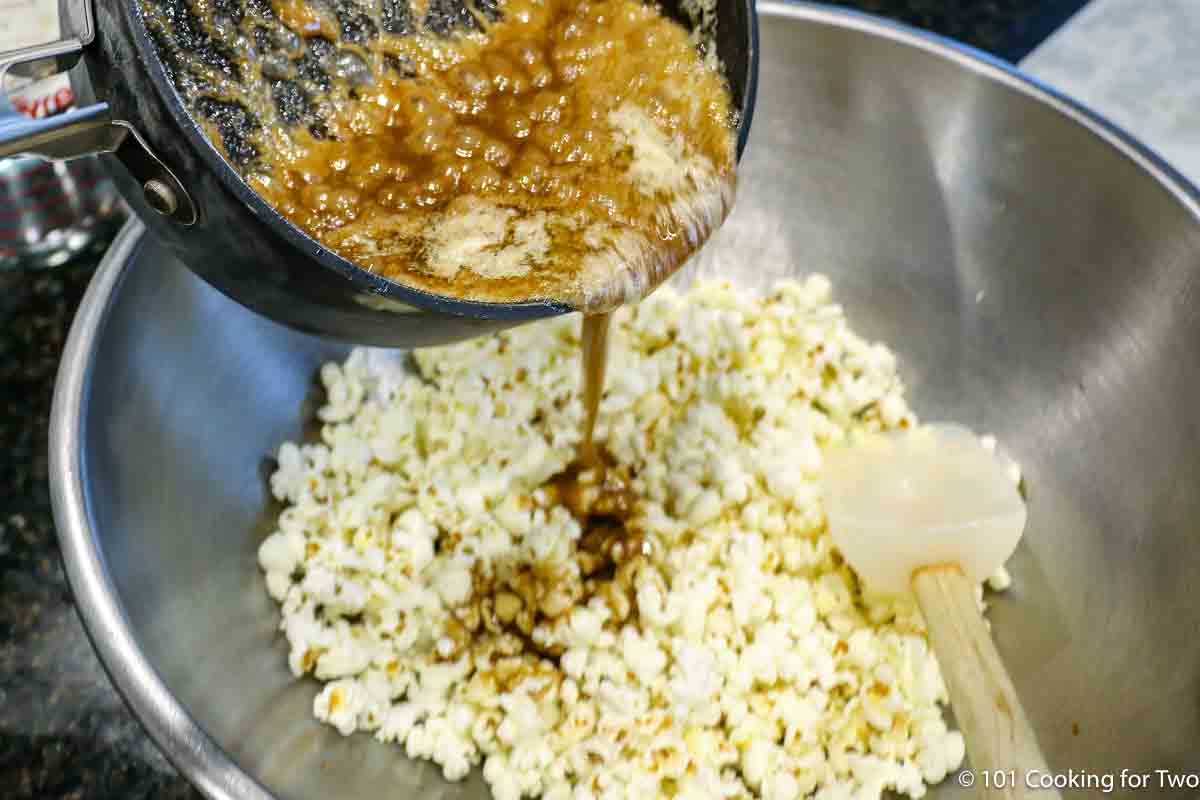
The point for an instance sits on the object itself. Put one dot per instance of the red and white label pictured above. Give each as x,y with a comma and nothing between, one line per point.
44,98
24,23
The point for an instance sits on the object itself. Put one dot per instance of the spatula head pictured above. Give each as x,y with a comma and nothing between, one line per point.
933,495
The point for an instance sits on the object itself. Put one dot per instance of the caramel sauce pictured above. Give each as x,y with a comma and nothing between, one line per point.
594,493
512,166
599,495
576,151
508,605
594,341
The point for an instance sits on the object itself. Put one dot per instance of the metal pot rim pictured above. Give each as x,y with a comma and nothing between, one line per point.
210,768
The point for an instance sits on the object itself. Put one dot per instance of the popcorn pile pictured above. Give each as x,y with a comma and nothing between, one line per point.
443,594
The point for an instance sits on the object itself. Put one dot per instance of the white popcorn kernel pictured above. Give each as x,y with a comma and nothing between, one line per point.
756,761
644,657
999,580
278,585
470,499
574,662
513,516
346,658
339,704
413,537
281,552
734,657
453,585
1014,474
705,509
782,786
289,479
892,410
955,750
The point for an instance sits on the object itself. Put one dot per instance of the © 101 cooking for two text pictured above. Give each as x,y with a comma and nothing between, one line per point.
1076,780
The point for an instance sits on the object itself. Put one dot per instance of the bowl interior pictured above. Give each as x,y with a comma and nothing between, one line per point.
1036,280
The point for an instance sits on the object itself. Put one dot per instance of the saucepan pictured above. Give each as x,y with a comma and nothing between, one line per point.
1035,270
196,202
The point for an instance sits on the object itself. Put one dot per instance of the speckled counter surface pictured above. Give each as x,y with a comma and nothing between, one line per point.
64,731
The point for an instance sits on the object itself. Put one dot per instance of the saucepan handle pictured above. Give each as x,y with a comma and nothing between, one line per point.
77,132
85,131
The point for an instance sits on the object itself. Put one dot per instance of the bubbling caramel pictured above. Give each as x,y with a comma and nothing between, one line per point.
576,150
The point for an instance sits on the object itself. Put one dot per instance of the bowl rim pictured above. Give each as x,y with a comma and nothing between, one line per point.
211,769
180,738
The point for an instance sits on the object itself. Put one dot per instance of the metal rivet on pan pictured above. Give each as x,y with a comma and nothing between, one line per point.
160,196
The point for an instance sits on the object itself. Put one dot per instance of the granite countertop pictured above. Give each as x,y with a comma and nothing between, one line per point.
64,731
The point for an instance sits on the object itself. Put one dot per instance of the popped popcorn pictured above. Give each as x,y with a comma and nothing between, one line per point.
427,572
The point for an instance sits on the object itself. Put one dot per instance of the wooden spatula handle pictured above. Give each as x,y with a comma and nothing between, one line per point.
986,705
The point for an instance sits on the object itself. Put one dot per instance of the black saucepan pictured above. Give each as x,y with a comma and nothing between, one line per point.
197,203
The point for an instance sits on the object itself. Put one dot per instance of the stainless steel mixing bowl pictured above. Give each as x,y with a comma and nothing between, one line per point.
1037,272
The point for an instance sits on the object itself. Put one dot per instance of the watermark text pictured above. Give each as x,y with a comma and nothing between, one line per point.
1079,779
